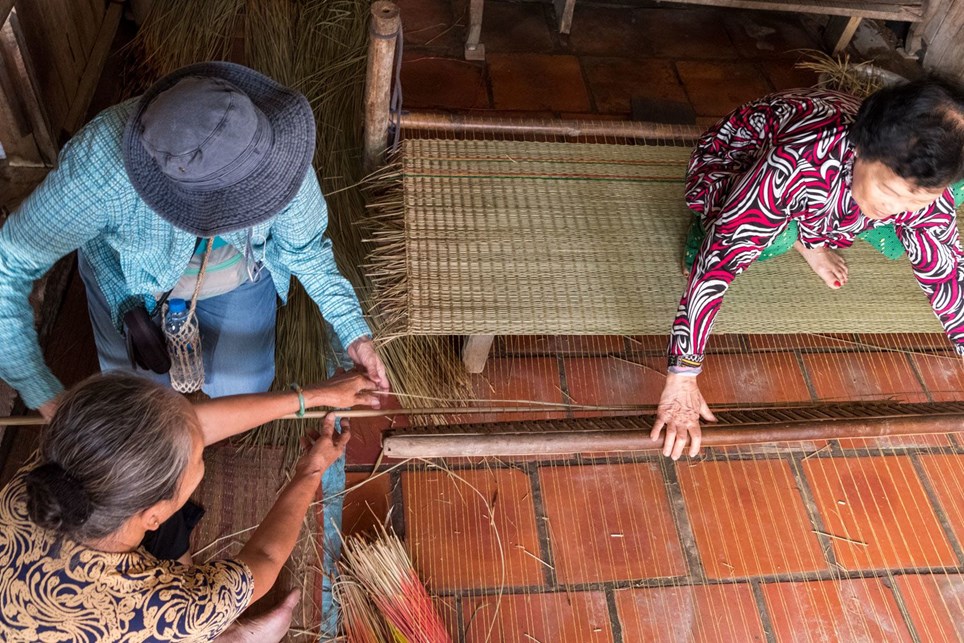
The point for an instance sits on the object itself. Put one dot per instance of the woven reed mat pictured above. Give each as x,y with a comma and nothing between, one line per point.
503,237
238,489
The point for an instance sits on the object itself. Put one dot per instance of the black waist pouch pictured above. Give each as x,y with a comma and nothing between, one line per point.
146,347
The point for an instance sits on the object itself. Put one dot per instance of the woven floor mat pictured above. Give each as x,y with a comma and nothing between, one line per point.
503,238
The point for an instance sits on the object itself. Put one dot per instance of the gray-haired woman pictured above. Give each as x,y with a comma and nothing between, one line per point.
120,459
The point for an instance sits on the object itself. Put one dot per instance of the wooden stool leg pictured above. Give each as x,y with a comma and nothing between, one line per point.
475,352
839,31
475,50
564,9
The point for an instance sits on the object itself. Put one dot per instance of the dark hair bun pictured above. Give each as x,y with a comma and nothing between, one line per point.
55,499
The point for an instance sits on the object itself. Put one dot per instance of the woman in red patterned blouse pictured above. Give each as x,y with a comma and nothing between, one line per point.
837,167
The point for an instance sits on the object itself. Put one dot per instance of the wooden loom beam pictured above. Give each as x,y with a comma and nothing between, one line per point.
433,122
384,28
404,445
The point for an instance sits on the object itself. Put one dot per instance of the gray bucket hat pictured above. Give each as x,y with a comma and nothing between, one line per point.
216,147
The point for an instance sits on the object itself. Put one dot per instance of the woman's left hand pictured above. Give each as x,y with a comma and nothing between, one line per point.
322,449
362,352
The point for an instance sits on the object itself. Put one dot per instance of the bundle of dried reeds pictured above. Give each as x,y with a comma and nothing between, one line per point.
841,74
360,619
382,568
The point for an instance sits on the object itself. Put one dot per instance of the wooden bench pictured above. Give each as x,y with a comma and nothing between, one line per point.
845,16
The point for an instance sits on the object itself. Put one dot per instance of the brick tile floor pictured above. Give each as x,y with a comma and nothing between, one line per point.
700,614
614,81
612,381
517,27
727,502
877,513
610,522
449,528
524,618
432,81
945,475
863,377
716,88
935,604
368,505
848,610
537,82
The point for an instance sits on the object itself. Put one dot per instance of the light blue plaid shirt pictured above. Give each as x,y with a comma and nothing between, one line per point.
89,203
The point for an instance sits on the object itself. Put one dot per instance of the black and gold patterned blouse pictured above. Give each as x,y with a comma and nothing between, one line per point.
53,589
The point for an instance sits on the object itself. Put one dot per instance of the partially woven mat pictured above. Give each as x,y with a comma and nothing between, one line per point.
504,238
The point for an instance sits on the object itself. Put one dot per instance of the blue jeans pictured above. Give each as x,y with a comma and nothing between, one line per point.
237,336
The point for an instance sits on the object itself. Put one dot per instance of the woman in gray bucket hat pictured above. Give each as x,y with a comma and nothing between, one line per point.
214,159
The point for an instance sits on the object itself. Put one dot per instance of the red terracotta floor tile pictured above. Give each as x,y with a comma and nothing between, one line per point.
591,344
748,518
451,537
614,81
753,378
783,75
690,614
804,341
906,341
513,27
537,82
512,381
523,345
863,377
847,610
447,609
610,522
368,505
717,343
935,604
694,32
524,618
608,31
896,442
769,34
435,82
943,376
431,24
945,472
366,434
607,381
881,503
716,89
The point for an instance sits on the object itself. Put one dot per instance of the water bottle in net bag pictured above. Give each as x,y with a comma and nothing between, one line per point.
184,345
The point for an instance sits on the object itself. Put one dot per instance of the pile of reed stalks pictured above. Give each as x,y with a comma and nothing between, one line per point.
381,596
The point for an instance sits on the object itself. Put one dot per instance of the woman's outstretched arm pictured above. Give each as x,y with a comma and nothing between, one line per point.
272,543
224,417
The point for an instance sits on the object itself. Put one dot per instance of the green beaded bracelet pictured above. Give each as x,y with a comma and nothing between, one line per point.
301,400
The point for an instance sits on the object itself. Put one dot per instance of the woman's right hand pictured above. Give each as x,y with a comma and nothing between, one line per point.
680,407
344,391
322,450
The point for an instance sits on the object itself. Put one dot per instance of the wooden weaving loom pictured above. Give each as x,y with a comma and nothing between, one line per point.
826,505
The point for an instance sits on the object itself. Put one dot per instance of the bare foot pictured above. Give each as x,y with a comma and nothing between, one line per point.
684,268
828,265
270,627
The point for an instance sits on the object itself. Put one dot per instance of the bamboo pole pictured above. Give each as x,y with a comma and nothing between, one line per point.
507,443
462,123
383,36
35,420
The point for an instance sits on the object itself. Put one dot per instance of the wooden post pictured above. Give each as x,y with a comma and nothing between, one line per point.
383,36
564,9
840,30
475,352
475,50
